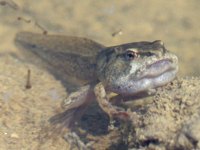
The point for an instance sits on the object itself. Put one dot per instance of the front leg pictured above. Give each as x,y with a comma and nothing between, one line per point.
106,106
74,106
78,98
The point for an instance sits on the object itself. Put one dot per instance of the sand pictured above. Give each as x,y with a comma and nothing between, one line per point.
172,119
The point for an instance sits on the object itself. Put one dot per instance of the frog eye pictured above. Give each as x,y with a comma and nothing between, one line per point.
130,55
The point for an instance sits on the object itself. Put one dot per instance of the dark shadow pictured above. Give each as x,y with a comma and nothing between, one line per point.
118,146
91,119
94,121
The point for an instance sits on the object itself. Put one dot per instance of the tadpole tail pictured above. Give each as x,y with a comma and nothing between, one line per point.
70,59
58,43
66,119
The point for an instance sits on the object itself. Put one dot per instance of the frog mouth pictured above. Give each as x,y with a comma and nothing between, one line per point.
158,68
153,75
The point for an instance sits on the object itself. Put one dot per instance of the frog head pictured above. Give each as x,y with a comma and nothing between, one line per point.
136,67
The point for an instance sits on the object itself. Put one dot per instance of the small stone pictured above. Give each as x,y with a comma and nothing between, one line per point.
14,135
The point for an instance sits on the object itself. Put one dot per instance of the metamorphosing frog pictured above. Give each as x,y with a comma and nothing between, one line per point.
126,69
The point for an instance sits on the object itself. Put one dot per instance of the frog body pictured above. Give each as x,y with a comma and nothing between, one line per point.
125,69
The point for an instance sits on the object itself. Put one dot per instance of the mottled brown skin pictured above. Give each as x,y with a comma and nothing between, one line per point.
125,69
74,56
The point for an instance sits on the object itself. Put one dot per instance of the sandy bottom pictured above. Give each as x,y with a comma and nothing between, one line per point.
170,121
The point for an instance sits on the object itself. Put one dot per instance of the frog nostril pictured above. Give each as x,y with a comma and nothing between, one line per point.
149,54
159,45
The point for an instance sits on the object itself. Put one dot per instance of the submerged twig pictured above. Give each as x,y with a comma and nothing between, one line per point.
35,23
42,28
13,5
9,3
28,81
24,19
119,32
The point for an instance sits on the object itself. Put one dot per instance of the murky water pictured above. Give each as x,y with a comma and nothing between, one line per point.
25,113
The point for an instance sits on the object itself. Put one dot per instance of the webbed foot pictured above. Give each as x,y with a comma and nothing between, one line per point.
106,106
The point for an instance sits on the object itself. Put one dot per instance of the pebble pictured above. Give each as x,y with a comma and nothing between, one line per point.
14,135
